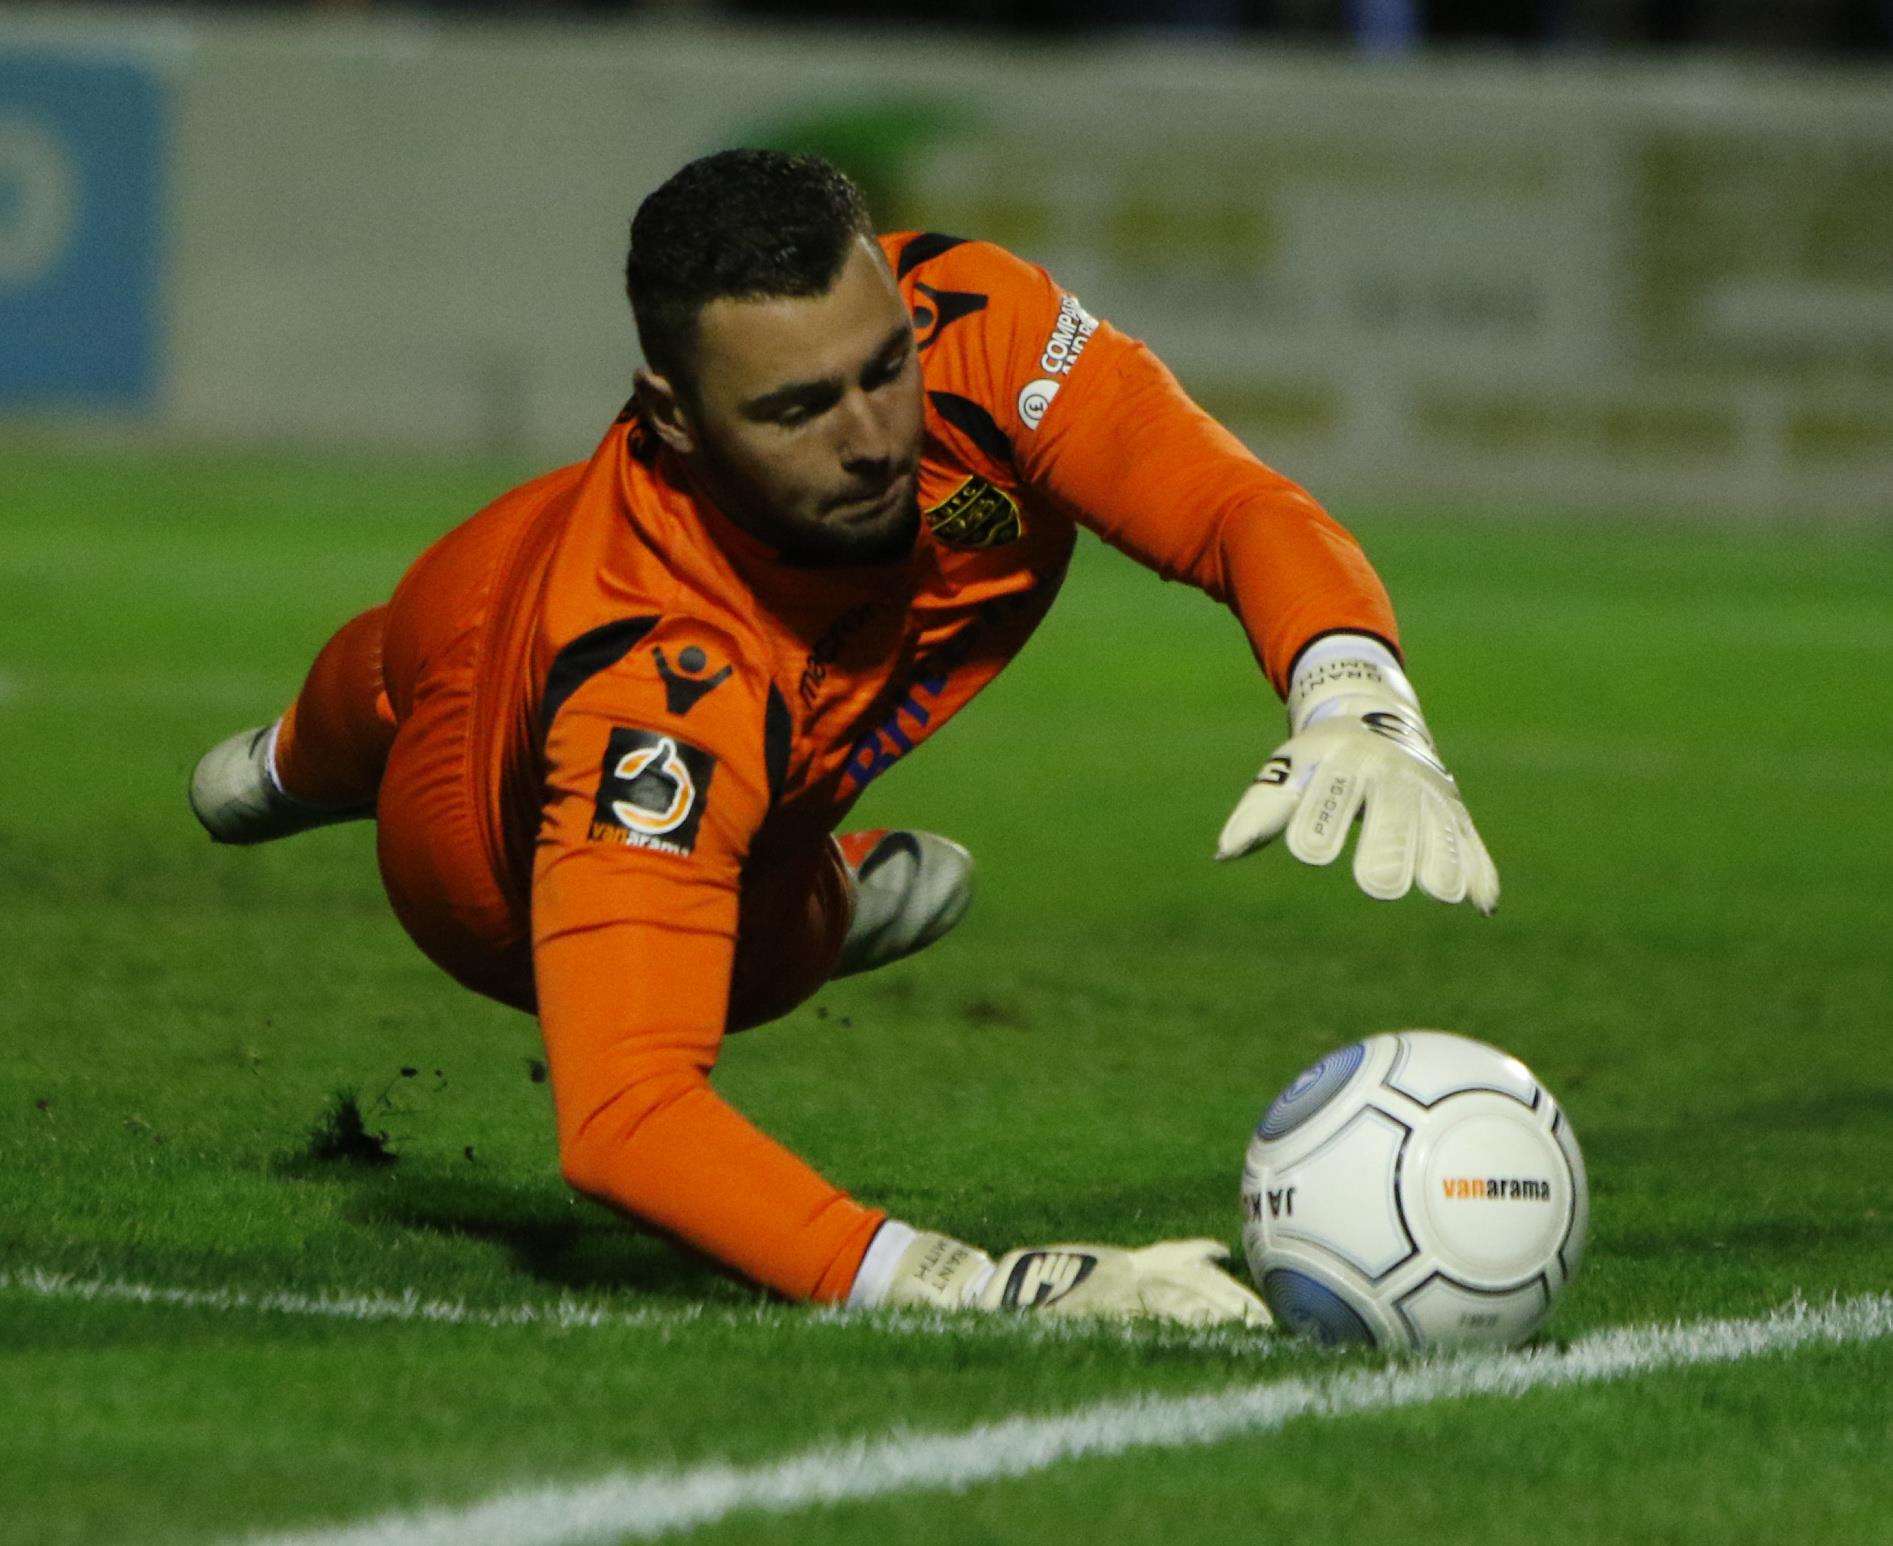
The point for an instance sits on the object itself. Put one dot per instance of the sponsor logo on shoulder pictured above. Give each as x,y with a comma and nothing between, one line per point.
1070,333
975,515
1034,398
651,791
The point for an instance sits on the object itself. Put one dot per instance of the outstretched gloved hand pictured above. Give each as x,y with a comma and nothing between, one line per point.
1358,746
1174,1280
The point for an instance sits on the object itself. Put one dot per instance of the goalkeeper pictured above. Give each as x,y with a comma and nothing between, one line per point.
607,726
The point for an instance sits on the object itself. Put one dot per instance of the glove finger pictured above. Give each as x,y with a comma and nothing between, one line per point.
1249,1309
1180,1255
1203,1296
1441,869
1233,1301
1327,810
1258,818
1483,886
1181,1307
1389,845
1184,1271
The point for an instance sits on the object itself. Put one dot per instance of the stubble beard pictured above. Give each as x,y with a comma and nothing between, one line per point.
826,543
888,540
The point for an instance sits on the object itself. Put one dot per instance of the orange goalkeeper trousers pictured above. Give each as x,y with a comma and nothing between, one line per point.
342,743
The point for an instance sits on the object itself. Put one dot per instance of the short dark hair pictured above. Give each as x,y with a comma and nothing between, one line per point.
743,225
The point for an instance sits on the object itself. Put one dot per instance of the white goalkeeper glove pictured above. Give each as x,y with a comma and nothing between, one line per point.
1356,738
1174,1280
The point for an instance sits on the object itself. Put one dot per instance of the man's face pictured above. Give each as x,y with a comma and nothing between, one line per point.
806,416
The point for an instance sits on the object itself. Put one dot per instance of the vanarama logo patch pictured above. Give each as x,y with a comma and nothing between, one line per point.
1496,1188
651,791
975,515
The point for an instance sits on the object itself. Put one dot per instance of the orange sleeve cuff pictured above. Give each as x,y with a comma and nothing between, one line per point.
632,1015
675,1156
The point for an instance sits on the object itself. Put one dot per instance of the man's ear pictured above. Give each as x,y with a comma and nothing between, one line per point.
664,411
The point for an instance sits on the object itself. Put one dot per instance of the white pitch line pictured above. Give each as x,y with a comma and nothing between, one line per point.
569,1314
644,1504
559,1314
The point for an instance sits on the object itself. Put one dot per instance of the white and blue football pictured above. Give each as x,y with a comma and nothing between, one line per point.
1414,1190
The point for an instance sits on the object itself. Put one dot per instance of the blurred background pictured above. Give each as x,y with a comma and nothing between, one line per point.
1551,254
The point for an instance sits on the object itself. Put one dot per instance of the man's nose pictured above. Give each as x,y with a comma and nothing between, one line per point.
866,439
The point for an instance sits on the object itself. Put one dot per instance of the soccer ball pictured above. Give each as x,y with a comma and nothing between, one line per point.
1416,1189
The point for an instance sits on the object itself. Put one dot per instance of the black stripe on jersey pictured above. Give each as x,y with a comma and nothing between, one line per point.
777,729
975,423
584,658
923,248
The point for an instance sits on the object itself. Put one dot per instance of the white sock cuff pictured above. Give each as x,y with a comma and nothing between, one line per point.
885,1250
1342,646
1337,664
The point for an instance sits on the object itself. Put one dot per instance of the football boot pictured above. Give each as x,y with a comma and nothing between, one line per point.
909,889
235,796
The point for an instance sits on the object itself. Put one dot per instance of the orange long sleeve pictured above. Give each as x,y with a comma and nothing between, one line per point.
636,892
1143,466
1091,420
632,1023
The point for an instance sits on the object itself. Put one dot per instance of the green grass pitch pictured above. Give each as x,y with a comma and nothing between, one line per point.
1675,740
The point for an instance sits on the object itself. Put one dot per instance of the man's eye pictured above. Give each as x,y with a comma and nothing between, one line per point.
888,370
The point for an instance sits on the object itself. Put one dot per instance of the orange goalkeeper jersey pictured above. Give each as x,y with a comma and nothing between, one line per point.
661,705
